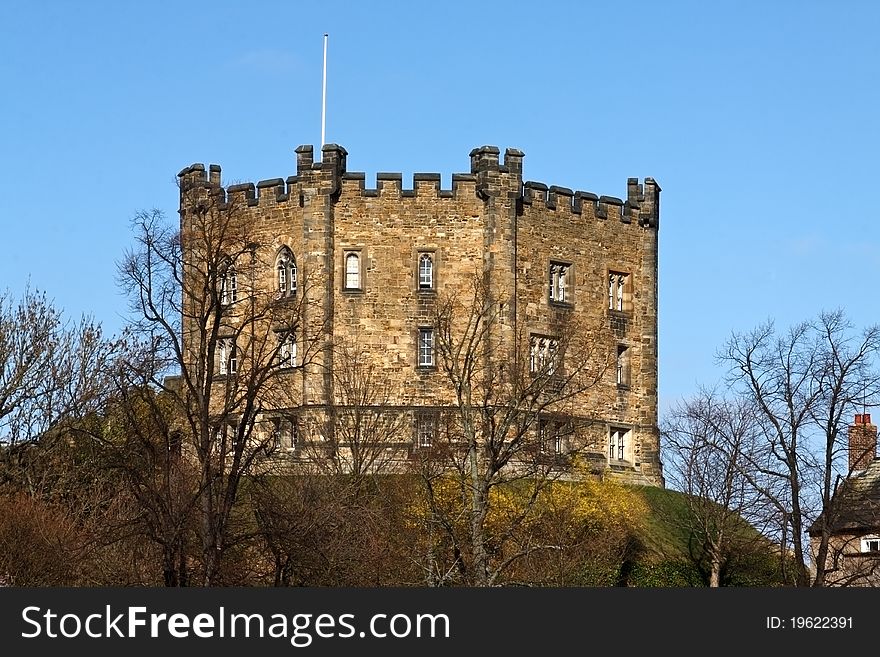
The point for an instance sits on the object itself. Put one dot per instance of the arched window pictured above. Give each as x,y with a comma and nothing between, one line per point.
426,272
352,271
285,268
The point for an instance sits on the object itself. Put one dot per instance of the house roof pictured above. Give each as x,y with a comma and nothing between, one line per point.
856,503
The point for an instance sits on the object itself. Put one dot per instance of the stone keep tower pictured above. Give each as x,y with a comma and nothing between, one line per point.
377,263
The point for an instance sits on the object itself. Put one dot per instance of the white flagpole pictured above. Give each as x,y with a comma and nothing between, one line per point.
324,93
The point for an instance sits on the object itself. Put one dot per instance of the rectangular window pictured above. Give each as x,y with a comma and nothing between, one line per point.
622,369
286,349
229,287
285,433
619,297
426,271
426,347
871,544
559,282
227,356
426,429
619,444
352,270
543,354
551,437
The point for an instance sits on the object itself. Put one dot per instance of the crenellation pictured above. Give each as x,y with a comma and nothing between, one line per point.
634,192
305,157
426,185
650,208
592,202
389,183
513,161
555,192
535,191
484,158
333,157
192,176
271,191
611,200
464,185
242,193
610,207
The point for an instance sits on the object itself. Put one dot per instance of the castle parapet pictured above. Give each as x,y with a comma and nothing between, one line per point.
425,185
641,206
578,203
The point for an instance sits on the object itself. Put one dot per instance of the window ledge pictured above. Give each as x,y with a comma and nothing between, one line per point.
427,291
354,291
562,305
426,369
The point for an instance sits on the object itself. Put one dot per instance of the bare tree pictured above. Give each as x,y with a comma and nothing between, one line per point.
504,397
205,313
141,439
709,443
366,432
52,372
804,385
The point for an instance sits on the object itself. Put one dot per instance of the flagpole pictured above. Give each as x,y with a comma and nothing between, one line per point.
324,93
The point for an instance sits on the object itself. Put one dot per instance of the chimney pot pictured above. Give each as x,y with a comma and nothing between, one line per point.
862,442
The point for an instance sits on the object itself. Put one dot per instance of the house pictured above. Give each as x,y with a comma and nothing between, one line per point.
853,518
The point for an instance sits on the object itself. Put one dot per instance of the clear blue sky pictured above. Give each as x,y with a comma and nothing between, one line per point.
758,120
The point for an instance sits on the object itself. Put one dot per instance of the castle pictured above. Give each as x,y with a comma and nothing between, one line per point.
368,272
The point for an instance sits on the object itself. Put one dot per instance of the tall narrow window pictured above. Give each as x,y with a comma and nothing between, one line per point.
426,347
618,444
618,293
229,286
550,437
227,356
426,429
622,365
286,349
543,354
352,271
559,277
285,266
426,271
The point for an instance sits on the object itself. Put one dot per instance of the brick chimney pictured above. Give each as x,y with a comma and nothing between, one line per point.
862,442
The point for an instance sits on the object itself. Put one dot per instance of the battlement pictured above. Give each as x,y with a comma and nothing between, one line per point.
486,158
424,185
641,207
